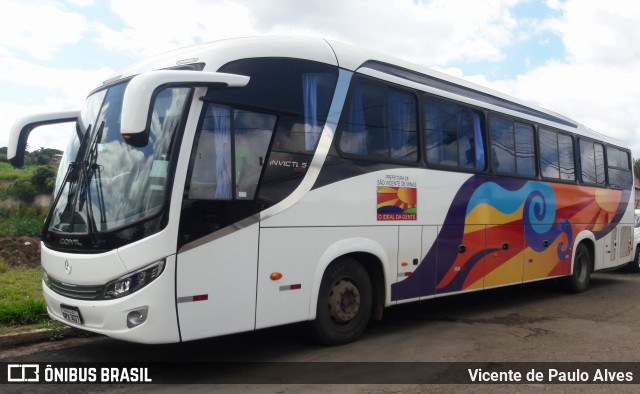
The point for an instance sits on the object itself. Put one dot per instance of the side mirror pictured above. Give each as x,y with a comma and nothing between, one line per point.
22,128
141,91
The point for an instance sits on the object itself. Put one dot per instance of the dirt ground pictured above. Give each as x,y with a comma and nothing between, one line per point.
20,252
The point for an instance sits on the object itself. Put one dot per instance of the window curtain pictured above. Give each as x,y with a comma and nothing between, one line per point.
477,130
400,114
434,133
221,122
310,102
354,137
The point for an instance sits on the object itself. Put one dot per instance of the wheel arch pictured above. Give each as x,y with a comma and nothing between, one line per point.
589,240
370,254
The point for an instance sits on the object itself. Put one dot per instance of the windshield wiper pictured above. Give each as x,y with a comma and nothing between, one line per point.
88,169
70,173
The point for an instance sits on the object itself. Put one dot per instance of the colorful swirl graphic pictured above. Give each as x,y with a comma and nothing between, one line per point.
504,222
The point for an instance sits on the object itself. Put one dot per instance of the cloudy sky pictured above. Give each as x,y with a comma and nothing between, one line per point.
580,58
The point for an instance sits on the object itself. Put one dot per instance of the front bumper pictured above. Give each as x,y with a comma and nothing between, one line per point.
109,317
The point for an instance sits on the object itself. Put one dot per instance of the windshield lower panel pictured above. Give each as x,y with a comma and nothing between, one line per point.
109,193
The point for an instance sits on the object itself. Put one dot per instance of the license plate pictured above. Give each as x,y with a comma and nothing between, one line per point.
71,314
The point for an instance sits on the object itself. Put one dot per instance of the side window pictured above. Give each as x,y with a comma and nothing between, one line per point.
403,125
592,163
567,162
454,136
229,153
512,147
556,155
525,149
618,168
301,97
381,123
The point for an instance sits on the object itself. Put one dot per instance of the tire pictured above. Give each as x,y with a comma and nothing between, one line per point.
344,303
634,266
579,280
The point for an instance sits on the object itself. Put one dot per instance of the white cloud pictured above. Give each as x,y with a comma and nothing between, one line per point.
81,3
39,28
66,86
603,32
436,32
433,33
597,83
59,89
151,28
49,136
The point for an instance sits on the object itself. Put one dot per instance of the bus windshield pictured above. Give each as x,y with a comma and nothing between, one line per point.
104,183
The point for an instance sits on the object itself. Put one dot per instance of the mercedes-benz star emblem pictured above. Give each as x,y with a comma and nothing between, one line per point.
67,267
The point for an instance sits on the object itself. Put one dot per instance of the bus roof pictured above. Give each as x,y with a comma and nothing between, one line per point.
217,53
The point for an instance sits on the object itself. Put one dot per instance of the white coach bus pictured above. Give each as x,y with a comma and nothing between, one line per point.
255,182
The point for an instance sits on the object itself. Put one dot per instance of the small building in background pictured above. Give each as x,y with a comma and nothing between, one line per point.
56,158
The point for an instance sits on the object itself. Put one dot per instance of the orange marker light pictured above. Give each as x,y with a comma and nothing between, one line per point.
275,276
404,264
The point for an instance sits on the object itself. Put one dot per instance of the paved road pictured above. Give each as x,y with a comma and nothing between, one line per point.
530,323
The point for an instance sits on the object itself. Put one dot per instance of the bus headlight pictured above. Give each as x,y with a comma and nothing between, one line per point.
134,281
45,278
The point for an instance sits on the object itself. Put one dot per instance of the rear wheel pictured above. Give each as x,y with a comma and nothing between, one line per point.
344,302
579,280
634,266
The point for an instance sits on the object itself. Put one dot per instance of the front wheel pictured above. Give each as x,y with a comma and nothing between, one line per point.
579,280
344,303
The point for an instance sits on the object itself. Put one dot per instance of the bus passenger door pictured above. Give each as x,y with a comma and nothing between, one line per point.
504,260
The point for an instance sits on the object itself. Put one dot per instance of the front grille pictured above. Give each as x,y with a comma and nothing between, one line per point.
77,291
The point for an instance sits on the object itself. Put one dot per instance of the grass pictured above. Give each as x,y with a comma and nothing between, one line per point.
8,174
21,300
54,326
24,220
22,306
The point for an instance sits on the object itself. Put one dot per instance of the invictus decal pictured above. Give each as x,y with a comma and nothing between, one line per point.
295,165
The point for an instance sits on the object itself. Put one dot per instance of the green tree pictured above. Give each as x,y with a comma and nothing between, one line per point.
636,168
44,179
22,190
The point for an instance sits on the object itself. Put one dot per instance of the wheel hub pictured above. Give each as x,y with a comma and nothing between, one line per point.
344,301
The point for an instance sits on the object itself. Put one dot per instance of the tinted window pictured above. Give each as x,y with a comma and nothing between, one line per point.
549,163
299,91
556,155
512,148
618,168
567,163
503,146
525,149
380,123
229,153
454,135
592,163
